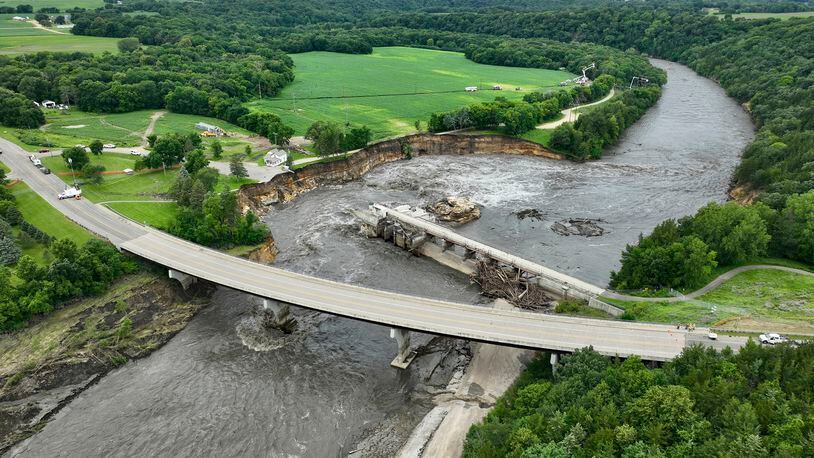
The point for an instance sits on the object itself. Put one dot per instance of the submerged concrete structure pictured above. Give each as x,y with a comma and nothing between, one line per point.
414,232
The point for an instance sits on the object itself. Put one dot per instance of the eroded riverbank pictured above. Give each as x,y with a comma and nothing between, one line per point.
47,364
328,389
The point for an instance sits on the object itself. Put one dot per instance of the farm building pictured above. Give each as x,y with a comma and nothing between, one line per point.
275,157
209,128
49,104
471,88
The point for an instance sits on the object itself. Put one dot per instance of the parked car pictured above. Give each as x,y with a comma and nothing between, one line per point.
45,170
108,146
772,339
43,151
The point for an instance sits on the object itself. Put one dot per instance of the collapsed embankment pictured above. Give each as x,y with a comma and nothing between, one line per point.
44,366
286,187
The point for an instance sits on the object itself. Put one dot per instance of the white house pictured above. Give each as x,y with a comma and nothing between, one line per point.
471,88
49,104
275,158
18,18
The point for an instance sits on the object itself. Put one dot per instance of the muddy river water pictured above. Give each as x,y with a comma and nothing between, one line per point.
223,387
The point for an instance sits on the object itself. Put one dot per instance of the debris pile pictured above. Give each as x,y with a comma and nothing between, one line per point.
515,288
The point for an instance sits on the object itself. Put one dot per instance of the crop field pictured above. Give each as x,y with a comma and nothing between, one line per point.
393,87
753,300
22,37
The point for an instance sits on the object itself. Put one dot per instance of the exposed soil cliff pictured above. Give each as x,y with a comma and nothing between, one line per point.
286,187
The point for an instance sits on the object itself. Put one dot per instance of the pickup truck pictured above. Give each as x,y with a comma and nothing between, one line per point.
70,193
772,338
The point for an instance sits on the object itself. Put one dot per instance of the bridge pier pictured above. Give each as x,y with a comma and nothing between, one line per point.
185,279
446,245
554,360
470,254
280,313
405,356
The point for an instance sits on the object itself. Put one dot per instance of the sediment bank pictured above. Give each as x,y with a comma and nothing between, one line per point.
286,187
491,372
47,364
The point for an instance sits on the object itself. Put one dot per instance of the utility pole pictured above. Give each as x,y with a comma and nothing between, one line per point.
70,164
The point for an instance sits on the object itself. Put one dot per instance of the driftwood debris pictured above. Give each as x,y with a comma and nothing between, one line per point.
512,286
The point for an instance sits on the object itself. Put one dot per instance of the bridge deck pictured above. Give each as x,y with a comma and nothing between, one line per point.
494,253
522,329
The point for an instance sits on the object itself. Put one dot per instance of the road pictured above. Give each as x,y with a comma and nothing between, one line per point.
571,114
522,329
95,218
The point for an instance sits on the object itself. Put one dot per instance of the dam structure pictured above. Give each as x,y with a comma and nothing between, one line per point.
415,231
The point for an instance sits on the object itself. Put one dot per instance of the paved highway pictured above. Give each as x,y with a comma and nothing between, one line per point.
523,329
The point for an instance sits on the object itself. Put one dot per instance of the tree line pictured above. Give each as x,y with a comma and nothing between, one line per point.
683,254
516,118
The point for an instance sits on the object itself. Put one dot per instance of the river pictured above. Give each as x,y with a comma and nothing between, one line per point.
223,387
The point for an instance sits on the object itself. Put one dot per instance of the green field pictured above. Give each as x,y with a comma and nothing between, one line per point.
22,37
111,162
362,88
66,129
781,16
155,214
61,4
753,300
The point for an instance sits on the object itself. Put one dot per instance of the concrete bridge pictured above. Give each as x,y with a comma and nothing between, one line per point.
403,313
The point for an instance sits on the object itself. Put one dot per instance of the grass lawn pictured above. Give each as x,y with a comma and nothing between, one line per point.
756,300
48,219
362,87
541,136
111,162
66,129
4,168
21,37
183,123
155,214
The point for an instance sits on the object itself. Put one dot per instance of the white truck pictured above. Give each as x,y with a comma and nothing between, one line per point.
70,193
772,339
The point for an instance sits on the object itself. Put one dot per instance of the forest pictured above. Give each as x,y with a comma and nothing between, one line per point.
754,403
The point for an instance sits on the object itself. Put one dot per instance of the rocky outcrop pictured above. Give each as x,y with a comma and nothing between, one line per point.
286,187
265,253
578,226
455,210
